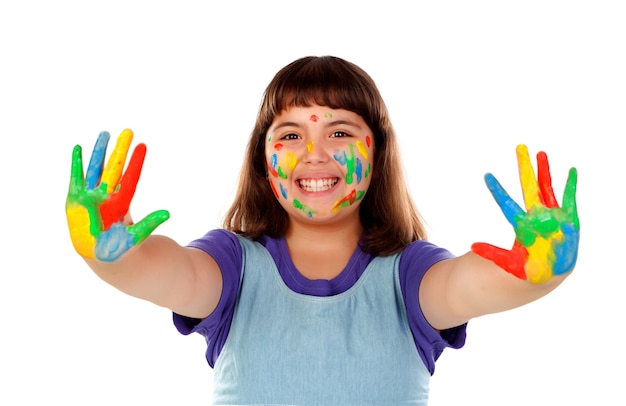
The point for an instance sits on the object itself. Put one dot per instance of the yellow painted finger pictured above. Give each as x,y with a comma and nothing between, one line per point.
530,187
115,165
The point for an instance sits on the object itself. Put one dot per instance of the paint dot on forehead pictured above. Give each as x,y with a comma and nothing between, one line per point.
314,118
328,115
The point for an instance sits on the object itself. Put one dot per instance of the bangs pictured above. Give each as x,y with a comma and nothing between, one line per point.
324,81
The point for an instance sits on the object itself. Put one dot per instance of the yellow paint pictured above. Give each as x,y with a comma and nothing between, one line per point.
530,187
291,160
309,147
362,148
541,259
77,221
115,165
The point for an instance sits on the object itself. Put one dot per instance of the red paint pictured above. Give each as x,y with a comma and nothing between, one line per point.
368,141
545,181
314,118
273,171
278,147
512,261
349,198
115,207
274,189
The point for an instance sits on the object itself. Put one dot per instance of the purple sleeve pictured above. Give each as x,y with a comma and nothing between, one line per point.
225,249
416,259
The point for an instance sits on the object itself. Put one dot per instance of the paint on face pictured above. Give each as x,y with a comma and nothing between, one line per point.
362,148
276,168
273,188
353,157
307,210
348,200
353,164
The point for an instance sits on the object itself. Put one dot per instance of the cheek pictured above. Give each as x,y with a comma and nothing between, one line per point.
280,164
355,158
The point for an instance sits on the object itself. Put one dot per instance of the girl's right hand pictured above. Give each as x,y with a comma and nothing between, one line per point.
97,204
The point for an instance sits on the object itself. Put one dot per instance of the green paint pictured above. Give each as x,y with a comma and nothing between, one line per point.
309,211
350,164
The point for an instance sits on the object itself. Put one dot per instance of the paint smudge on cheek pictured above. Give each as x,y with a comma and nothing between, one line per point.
274,188
286,165
291,160
283,191
362,148
353,164
307,210
273,165
350,164
348,200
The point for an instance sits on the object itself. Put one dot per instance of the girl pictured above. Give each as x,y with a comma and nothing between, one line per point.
321,288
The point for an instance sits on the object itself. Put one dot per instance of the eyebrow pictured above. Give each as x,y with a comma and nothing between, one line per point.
329,124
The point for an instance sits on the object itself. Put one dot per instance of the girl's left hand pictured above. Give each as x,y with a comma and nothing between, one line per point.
546,235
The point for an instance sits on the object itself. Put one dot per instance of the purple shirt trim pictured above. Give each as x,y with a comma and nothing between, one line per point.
415,260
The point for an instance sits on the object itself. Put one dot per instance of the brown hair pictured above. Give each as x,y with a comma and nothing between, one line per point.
387,212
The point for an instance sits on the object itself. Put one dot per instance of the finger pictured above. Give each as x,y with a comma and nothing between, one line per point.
115,165
76,174
530,188
569,196
545,181
128,183
510,209
94,170
512,261
118,203
147,225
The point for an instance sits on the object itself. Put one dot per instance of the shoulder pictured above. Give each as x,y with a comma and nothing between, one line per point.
224,246
420,255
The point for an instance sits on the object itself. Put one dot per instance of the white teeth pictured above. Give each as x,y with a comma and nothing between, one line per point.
317,185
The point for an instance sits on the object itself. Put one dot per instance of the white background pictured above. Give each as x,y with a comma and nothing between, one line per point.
465,83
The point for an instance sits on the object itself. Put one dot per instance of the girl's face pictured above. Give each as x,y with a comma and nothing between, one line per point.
319,161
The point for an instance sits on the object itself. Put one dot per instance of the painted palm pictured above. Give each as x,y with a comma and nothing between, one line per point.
546,234
98,202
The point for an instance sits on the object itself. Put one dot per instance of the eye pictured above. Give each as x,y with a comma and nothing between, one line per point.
340,134
290,136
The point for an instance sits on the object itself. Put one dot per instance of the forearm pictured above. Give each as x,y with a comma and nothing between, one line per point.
158,270
477,286
457,290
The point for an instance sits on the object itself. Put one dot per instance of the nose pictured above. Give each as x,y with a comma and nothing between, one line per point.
315,153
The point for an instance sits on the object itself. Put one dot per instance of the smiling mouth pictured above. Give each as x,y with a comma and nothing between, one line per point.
317,185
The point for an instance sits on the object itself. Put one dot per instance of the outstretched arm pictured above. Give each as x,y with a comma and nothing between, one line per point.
490,279
125,254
